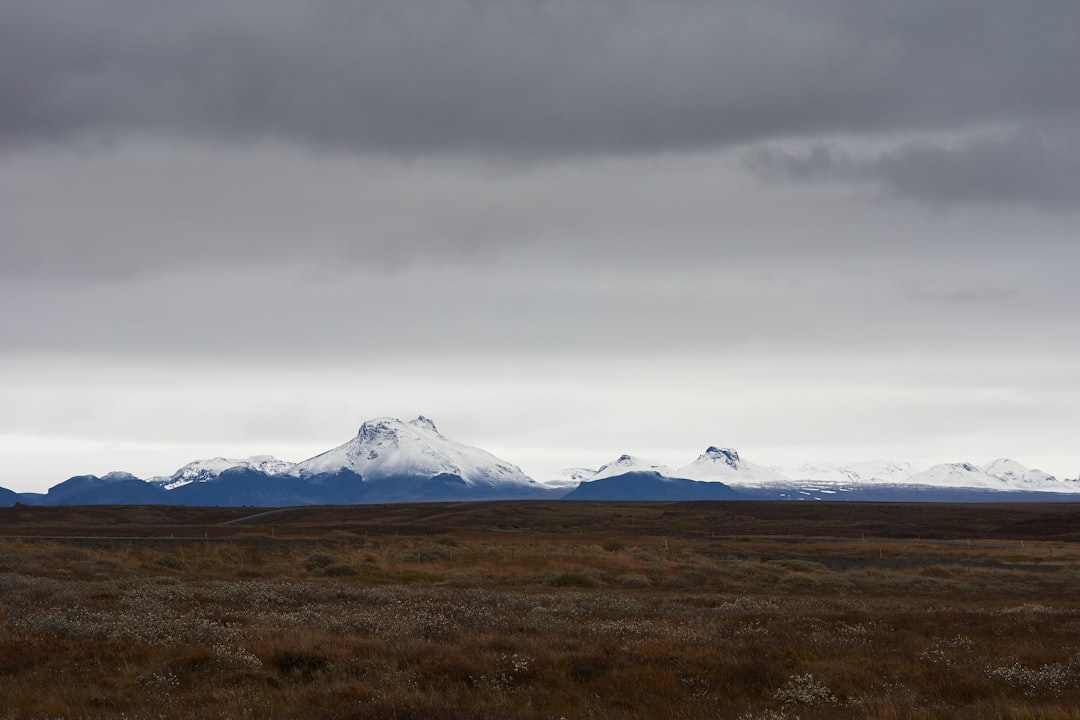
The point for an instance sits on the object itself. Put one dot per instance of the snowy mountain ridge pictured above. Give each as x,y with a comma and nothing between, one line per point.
727,466
390,460
211,468
869,471
1002,474
1015,473
628,463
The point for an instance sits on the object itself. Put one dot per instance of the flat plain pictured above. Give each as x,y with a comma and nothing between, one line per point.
542,610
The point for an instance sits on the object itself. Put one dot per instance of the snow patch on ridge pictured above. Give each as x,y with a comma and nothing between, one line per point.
570,477
118,476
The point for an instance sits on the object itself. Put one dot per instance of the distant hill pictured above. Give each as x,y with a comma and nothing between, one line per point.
640,485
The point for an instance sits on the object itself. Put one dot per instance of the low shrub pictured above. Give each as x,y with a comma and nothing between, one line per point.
805,690
299,666
634,581
570,579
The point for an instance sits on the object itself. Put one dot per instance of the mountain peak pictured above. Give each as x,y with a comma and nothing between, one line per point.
724,455
118,476
628,463
380,429
389,428
1014,473
957,475
725,465
424,422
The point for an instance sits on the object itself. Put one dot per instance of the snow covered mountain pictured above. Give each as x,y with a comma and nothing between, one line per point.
724,465
1002,474
631,478
413,458
628,463
1021,477
211,469
871,480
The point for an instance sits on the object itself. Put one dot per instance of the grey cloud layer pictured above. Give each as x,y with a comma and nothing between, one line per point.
566,81
165,208
527,77
1019,169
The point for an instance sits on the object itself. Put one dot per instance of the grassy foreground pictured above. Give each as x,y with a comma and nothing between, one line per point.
542,610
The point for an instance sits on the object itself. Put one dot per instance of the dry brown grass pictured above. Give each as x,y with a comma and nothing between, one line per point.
515,611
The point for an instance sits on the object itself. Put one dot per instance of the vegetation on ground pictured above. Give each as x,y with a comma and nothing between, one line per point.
748,611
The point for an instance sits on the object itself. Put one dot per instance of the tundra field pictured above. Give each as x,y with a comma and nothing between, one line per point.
542,610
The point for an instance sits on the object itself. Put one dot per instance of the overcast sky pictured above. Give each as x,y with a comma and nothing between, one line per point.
563,229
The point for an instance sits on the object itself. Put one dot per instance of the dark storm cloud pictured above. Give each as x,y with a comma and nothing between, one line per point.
1024,170
528,77
1021,169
